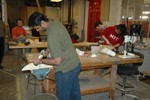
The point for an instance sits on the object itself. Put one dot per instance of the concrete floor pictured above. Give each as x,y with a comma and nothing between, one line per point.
13,83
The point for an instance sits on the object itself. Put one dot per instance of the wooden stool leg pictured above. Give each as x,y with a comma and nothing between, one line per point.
35,86
28,79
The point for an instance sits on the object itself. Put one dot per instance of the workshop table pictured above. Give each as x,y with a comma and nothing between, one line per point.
44,44
31,45
84,44
101,61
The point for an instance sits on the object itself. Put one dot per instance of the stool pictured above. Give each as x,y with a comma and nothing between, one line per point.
127,70
32,81
38,75
124,86
44,96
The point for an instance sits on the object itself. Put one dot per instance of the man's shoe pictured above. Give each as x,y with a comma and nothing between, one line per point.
1,67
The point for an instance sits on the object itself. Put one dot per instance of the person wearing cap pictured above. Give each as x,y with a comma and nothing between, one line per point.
114,35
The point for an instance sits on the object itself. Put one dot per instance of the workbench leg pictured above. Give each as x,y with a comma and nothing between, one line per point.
96,71
113,81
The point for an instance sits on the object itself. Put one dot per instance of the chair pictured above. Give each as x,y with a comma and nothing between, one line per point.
127,70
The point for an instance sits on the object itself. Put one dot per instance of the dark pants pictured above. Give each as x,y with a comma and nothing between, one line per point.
1,48
67,85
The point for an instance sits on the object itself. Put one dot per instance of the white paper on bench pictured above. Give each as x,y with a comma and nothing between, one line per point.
31,66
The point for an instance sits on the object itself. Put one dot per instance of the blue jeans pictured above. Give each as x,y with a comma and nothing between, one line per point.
67,85
22,40
28,50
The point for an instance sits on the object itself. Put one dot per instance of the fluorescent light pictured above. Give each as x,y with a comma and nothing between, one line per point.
56,0
123,17
130,17
146,5
144,17
146,12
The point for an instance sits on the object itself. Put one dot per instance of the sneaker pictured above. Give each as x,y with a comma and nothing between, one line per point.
1,67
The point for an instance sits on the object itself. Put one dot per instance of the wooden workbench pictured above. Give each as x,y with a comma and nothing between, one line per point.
44,45
31,45
84,44
101,61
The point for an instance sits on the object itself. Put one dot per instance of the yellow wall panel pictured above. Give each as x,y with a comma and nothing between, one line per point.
105,9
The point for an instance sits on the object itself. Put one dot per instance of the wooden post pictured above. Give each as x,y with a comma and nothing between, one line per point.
38,4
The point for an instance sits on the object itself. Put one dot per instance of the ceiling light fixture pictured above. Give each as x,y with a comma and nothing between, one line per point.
130,17
55,0
146,12
144,17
